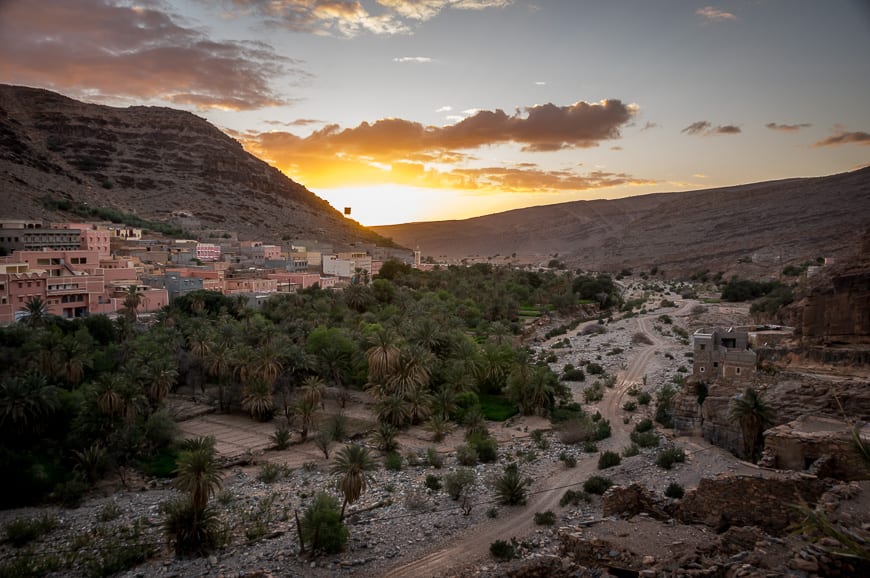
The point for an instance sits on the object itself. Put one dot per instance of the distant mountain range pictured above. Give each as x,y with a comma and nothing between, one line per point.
149,161
748,229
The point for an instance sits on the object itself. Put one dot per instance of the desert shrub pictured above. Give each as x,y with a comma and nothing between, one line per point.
416,500
433,482
593,393
434,458
647,439
608,459
602,430
571,373
640,338
110,511
486,447
510,488
567,459
455,483
644,398
630,451
547,518
270,472
502,550
594,368
597,485
322,528
393,461
576,431
191,530
281,438
492,513
629,406
412,459
23,530
539,439
665,406
670,456
675,490
644,425
384,437
574,497
566,412
466,455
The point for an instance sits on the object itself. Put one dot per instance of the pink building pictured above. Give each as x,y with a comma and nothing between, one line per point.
208,252
251,285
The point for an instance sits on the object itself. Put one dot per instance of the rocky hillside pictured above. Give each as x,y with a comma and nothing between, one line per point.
749,230
149,161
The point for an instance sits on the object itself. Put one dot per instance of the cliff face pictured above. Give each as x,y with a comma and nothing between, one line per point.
150,161
835,307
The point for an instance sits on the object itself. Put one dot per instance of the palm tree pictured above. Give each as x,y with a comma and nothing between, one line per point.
258,400
383,355
411,372
159,374
74,358
219,362
419,404
754,415
35,312
314,390
440,426
110,398
25,400
443,402
132,301
305,409
197,473
393,409
352,463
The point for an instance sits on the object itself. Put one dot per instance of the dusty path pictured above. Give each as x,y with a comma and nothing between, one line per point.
473,545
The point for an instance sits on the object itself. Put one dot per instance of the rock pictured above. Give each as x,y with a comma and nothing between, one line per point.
804,565
648,560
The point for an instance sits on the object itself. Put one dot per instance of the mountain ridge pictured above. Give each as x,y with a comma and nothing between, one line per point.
786,219
150,161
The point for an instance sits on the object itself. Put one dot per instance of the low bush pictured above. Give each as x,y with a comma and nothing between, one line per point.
574,497
433,482
547,518
644,425
567,459
510,488
630,451
644,398
466,455
596,485
457,482
675,490
270,472
608,459
23,530
502,550
629,406
670,456
647,439
322,528
393,461
434,458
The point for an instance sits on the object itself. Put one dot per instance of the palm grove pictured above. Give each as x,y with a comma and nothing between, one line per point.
82,399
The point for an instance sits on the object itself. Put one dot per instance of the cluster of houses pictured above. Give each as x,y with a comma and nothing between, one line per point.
78,269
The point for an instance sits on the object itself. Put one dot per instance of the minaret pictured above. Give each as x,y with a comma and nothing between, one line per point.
417,257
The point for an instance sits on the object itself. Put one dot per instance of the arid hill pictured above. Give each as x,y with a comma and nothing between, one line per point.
749,229
149,161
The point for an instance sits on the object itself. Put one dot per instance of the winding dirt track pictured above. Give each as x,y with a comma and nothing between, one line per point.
473,544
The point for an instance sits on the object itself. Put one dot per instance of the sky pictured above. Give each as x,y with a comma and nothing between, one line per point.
417,110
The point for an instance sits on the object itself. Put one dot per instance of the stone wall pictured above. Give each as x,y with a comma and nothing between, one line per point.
749,501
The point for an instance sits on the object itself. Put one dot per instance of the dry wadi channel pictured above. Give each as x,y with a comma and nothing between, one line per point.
399,527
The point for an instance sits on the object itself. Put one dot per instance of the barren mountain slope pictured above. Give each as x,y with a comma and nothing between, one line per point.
763,223
150,161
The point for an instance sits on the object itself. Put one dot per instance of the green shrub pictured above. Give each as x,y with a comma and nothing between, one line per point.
670,456
433,482
492,513
630,451
647,439
434,458
322,528
574,497
602,430
644,425
570,373
281,438
629,406
502,550
455,483
466,455
644,398
110,511
393,461
596,485
569,460
485,445
23,530
510,488
590,447
547,518
593,393
270,472
191,531
539,439
608,459
675,490
497,408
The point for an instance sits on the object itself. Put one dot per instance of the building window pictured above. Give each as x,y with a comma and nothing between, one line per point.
703,369
738,371
703,347
715,364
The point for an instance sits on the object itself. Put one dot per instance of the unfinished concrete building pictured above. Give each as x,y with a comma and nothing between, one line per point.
722,353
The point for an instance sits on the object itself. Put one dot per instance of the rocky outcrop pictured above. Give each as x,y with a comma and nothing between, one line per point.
766,502
632,500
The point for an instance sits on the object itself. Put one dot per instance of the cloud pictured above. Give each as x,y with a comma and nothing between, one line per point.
706,128
541,83
350,17
95,49
444,109
841,137
649,126
711,14
420,59
333,156
787,127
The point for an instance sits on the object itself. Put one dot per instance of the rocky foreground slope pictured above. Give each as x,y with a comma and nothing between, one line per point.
150,161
